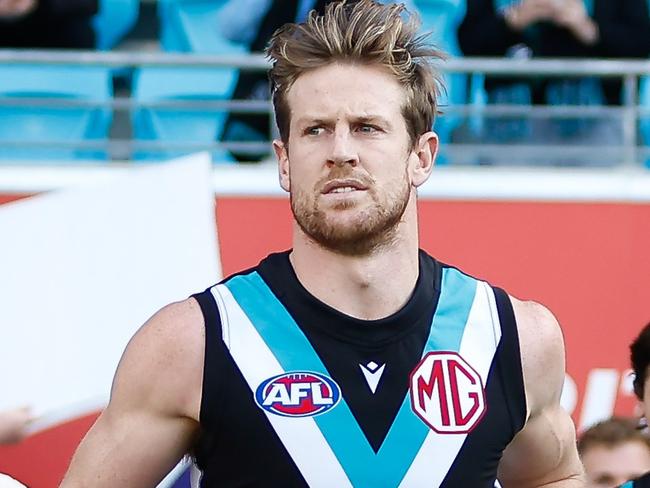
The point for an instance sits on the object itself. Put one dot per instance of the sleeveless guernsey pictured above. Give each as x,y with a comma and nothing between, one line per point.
642,482
296,393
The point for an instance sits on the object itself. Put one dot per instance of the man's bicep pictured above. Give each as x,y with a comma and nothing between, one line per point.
152,417
543,453
134,449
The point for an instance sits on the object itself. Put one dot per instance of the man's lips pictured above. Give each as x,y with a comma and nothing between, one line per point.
343,186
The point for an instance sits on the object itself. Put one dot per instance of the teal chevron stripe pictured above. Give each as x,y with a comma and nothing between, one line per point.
456,298
294,352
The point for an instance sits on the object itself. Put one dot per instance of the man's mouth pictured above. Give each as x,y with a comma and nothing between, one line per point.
343,186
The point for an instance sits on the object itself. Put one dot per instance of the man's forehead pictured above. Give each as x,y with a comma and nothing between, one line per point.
332,89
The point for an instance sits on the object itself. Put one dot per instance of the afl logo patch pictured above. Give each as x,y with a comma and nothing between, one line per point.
447,394
298,394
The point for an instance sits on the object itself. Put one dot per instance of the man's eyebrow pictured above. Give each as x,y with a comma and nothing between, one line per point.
313,120
377,119
360,119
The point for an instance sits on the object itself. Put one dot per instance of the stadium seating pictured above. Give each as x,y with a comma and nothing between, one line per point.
186,26
192,26
176,125
441,18
29,125
644,124
114,20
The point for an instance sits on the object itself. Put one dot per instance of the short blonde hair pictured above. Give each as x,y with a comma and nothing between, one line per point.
364,32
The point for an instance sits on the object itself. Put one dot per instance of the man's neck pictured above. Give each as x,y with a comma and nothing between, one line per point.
366,287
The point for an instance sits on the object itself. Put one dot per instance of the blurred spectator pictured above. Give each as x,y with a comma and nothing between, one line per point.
557,29
47,23
613,452
13,424
640,359
253,22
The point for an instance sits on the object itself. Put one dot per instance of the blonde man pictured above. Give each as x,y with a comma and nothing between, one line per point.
355,359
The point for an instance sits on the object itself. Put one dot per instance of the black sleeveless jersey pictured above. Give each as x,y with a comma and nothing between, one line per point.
296,393
642,482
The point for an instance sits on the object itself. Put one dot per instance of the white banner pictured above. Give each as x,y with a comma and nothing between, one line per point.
82,269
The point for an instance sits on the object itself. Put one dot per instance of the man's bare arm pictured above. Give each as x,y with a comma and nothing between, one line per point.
152,418
544,453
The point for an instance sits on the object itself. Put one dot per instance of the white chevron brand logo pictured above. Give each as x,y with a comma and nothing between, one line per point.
372,373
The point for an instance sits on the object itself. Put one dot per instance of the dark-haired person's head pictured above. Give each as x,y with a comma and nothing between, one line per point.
613,452
640,359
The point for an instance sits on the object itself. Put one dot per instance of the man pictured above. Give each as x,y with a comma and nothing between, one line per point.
613,452
252,23
640,358
355,359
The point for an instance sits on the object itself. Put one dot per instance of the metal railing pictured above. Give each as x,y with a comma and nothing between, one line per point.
629,152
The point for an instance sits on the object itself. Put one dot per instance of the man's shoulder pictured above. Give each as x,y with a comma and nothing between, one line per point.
537,326
542,352
174,328
161,368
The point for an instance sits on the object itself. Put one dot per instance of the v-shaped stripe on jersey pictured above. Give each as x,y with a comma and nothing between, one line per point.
294,352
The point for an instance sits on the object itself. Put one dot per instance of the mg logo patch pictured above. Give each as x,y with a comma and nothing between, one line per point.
298,394
446,393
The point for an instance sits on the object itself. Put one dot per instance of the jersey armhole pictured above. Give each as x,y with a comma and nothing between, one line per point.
211,380
509,361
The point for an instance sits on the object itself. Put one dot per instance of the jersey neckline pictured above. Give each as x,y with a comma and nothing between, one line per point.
277,271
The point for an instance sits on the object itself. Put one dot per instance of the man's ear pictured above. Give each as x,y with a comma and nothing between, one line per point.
426,151
282,155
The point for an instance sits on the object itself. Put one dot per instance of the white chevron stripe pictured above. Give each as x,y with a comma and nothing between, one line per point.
477,347
301,436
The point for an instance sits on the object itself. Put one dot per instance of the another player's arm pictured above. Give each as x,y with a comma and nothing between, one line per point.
544,453
151,420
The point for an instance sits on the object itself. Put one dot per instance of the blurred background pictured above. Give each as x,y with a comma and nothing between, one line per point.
542,185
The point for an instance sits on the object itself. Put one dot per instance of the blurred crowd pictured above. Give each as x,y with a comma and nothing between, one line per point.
599,29
47,23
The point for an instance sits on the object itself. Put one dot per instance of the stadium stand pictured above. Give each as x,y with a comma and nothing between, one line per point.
185,26
182,125
644,121
162,127
488,31
62,114
51,131
192,26
113,21
441,18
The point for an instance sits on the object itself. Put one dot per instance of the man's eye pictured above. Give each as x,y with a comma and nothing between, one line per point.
367,129
314,131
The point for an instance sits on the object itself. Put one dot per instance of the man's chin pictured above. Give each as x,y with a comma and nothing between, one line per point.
350,236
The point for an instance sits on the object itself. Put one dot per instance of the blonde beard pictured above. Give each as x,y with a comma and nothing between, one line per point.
373,229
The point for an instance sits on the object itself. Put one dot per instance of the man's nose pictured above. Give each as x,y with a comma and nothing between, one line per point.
343,150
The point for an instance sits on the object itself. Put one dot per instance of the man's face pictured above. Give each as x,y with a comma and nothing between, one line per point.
349,165
612,466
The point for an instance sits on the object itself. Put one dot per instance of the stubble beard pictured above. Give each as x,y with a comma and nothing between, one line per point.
371,229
